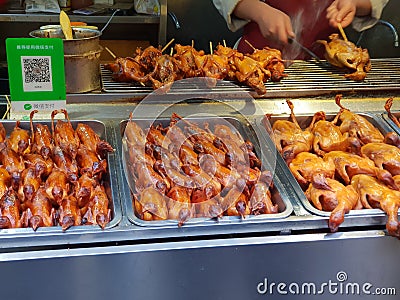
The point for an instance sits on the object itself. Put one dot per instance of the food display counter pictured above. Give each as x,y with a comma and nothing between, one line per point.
231,257
228,259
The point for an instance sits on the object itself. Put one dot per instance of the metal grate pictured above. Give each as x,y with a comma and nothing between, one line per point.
305,78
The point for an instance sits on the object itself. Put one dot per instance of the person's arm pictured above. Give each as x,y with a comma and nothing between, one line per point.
362,13
273,23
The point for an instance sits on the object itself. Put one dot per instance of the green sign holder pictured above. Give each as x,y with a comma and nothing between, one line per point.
36,75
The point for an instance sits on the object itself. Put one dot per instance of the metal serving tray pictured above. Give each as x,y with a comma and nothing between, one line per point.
389,121
304,121
110,185
279,195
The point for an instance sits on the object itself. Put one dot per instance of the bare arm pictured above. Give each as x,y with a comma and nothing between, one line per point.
273,23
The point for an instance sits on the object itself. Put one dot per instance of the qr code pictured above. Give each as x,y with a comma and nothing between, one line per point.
36,72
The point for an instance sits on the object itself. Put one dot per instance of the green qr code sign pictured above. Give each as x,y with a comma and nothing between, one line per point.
36,69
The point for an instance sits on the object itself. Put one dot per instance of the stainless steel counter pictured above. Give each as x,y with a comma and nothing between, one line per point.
208,260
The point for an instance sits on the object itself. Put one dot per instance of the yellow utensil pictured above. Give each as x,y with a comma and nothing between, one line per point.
66,25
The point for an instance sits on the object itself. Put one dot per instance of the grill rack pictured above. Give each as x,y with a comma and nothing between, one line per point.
305,78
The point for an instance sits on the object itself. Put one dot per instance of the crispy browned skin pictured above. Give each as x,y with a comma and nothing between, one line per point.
179,205
270,59
289,137
42,141
152,205
66,164
64,134
88,162
39,211
305,165
42,166
384,156
92,141
252,73
146,176
19,140
347,165
69,213
330,195
10,208
187,172
57,186
127,70
134,134
344,54
84,189
97,210
374,194
358,126
328,137
29,184
165,72
186,55
260,200
12,162
5,181
235,203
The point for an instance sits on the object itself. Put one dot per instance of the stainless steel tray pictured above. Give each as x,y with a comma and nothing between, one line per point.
110,184
279,195
304,121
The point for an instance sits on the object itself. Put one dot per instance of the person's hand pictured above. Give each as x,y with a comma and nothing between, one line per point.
274,24
341,11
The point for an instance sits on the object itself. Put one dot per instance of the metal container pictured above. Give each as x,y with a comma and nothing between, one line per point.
110,184
304,121
278,192
81,57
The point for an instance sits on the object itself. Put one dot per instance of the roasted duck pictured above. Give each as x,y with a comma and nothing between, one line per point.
19,140
358,126
306,165
328,137
289,137
384,156
10,210
42,141
374,194
64,134
330,195
344,54
347,165
270,59
40,212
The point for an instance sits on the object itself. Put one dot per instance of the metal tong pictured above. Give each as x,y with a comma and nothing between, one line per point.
305,49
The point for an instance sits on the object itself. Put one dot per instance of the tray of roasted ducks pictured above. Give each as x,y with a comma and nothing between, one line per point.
184,171
55,175
341,165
